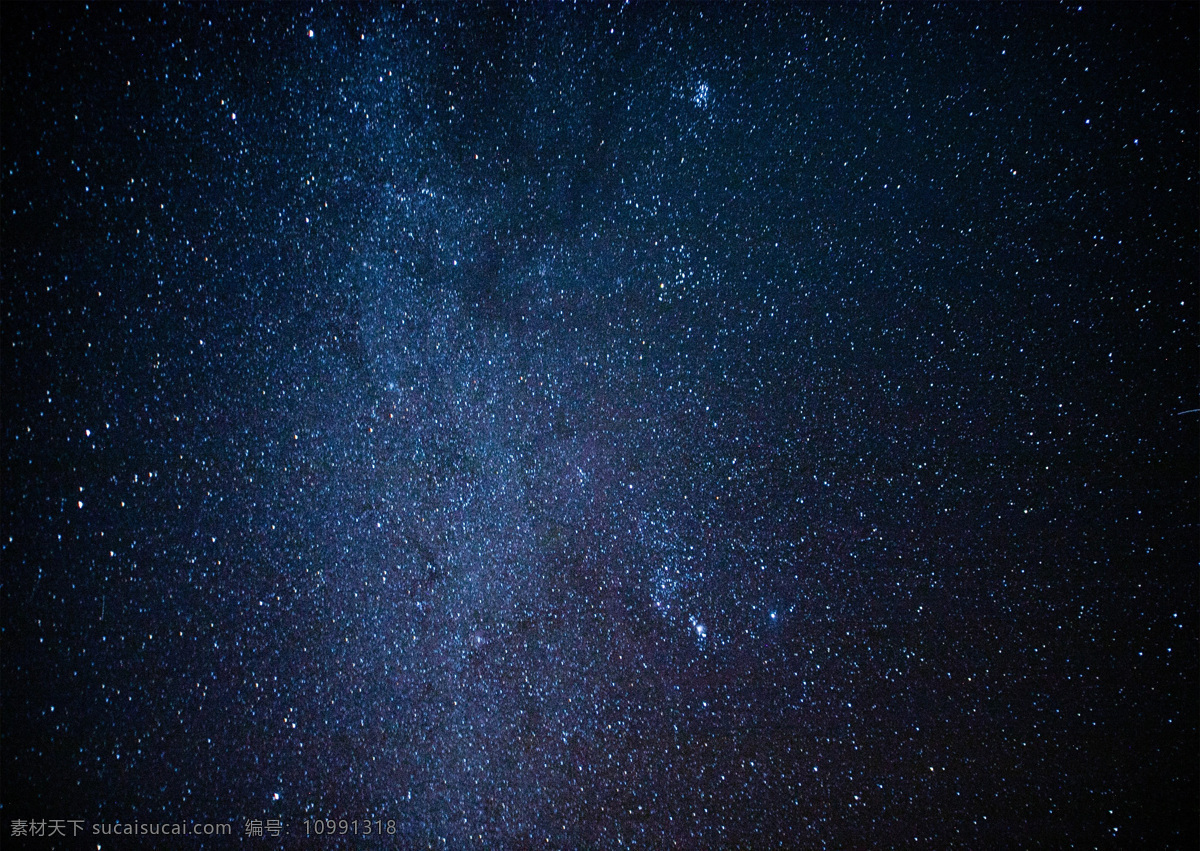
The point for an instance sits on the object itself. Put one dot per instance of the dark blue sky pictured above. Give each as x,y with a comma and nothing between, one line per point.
652,425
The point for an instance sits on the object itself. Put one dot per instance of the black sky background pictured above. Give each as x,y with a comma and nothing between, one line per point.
659,425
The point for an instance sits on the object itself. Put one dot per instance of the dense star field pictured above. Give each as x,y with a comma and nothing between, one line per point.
647,426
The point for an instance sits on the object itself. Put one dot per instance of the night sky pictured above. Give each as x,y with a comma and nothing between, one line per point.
655,426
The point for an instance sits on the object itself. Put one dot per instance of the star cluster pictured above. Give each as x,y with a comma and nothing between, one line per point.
658,426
